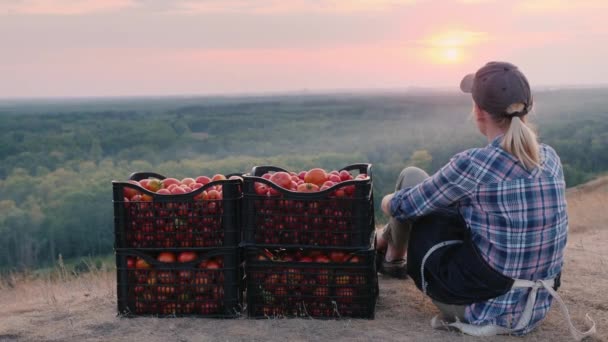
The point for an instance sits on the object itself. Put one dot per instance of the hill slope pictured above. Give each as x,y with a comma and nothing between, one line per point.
84,308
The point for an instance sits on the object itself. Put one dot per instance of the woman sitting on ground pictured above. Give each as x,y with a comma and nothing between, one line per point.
485,235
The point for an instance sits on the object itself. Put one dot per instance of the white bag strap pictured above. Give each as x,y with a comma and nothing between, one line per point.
526,316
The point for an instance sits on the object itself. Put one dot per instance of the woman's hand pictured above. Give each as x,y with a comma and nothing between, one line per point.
386,204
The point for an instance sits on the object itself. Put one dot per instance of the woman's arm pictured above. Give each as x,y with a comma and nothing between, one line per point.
453,182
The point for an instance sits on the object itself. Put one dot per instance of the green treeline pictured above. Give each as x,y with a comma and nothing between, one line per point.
57,159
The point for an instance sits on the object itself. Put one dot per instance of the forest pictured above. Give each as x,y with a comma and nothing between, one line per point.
58,157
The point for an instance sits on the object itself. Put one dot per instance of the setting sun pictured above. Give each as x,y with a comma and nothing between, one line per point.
448,47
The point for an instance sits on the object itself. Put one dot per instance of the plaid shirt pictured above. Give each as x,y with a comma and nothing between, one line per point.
517,219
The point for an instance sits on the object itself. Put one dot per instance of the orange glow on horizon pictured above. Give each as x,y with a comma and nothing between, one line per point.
448,47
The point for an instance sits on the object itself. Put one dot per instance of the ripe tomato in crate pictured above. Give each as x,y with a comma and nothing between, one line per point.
152,211
282,208
320,283
186,283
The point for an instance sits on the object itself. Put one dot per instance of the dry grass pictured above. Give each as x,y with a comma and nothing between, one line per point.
62,306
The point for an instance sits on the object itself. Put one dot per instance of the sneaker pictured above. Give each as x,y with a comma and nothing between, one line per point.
395,268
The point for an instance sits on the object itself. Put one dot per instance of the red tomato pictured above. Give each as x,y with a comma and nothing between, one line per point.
130,262
212,265
166,257
168,181
218,177
203,180
337,256
335,178
235,178
141,263
306,259
345,175
282,179
163,192
130,192
195,186
260,189
188,181
266,175
301,175
213,195
178,191
186,257
322,258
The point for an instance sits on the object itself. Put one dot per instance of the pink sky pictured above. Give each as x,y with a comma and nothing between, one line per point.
159,47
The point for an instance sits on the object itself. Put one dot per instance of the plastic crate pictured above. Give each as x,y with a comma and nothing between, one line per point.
177,221
194,288
309,219
279,288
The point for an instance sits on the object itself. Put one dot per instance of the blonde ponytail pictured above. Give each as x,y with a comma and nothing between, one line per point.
520,140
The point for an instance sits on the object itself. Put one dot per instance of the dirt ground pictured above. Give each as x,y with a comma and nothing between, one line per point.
84,309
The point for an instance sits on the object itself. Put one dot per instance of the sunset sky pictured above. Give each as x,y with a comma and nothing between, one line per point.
71,48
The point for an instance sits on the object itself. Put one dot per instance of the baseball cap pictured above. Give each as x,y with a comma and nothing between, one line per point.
496,86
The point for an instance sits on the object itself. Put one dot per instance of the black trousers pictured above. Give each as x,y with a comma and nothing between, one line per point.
454,274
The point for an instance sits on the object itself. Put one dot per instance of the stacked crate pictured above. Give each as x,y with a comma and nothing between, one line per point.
177,255
309,254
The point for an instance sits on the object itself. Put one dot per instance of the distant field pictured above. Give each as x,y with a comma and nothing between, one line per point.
57,157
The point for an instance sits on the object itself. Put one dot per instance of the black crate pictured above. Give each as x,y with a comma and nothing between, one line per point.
305,288
177,221
289,218
205,287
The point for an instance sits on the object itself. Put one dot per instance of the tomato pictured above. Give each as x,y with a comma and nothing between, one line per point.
329,184
218,177
272,192
260,189
212,265
130,262
282,179
130,192
168,181
308,187
163,192
166,257
337,256
316,176
335,178
322,258
144,183
302,175
362,176
154,185
203,180
141,263
345,175
146,198
186,257
195,186
235,178
354,259
213,195
178,191
267,176
340,193
188,181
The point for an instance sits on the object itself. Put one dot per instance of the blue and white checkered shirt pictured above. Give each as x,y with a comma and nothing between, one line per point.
517,218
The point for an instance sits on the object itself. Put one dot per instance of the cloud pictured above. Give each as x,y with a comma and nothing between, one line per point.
284,6
62,7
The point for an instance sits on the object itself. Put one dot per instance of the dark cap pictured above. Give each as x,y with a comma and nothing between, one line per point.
496,86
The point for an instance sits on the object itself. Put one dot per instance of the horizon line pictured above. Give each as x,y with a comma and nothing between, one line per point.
294,92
